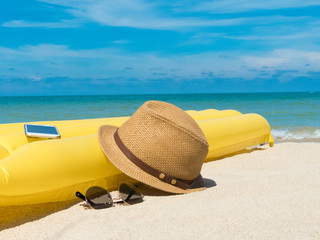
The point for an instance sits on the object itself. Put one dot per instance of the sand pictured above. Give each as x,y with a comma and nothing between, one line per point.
266,193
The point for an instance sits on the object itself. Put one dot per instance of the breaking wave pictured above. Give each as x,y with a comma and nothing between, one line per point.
296,134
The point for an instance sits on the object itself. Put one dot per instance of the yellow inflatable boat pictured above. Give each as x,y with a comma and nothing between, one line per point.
34,170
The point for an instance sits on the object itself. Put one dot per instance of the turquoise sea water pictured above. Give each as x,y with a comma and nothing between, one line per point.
292,116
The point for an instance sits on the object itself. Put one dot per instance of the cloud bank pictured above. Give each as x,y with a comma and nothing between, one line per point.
177,45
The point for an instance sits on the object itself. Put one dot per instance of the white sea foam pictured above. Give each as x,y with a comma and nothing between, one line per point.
296,133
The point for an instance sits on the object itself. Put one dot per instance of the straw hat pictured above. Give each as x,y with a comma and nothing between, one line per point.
160,145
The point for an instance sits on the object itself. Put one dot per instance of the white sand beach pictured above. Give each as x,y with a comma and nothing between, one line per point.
266,193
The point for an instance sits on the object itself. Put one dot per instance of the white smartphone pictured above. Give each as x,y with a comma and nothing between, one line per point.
41,131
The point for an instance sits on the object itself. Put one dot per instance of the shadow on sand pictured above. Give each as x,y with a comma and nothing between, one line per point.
247,150
12,216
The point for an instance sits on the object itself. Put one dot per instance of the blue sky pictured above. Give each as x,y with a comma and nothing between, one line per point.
135,46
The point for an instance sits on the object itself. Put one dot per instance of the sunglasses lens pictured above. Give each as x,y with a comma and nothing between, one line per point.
129,193
98,197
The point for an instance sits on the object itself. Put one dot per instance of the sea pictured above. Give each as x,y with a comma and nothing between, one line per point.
292,116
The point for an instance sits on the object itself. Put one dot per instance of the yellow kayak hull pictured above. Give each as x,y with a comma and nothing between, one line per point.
34,171
12,135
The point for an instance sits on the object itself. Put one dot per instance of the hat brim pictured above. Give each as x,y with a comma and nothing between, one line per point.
119,160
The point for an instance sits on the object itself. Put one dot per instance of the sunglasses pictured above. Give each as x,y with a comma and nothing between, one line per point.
98,197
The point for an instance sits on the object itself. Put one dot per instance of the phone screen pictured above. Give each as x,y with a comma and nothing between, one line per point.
41,131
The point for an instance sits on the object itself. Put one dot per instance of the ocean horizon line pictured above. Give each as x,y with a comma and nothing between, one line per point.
158,94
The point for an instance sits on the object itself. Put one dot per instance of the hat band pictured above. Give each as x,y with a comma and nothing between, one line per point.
183,184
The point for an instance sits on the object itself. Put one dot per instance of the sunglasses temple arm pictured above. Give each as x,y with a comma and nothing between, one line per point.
81,196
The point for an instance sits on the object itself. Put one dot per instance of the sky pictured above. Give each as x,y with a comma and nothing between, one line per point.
88,47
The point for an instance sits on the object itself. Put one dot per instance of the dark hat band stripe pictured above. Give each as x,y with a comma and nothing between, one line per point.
183,184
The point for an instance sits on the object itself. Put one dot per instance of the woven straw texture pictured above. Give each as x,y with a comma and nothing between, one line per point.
164,137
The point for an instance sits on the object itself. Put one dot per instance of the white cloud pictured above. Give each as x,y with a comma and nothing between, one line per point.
231,6
283,32
145,15
26,24
37,52
35,78
121,42
298,55
285,64
45,61
160,15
